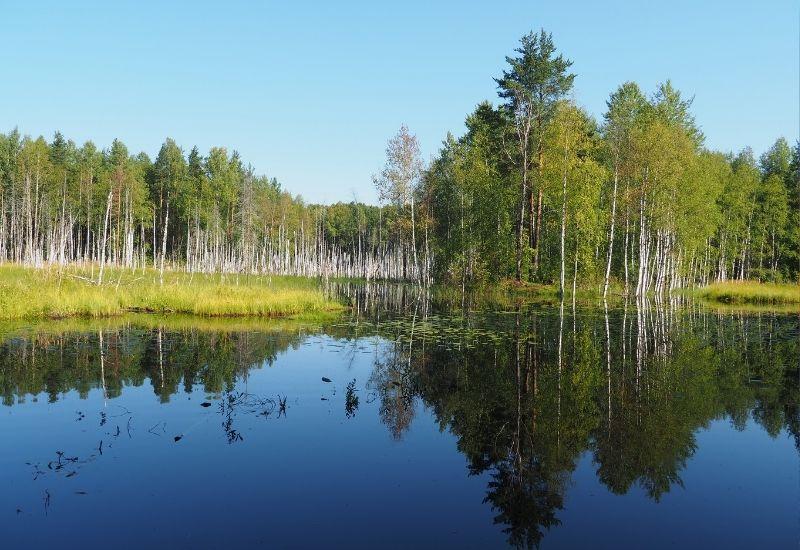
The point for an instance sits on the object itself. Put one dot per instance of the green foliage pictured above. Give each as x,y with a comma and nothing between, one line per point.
50,189
536,78
683,215
489,207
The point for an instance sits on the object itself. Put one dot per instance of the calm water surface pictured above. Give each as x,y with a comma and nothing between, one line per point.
405,427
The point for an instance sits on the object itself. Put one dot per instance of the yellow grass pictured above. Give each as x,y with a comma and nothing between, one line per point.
751,292
51,292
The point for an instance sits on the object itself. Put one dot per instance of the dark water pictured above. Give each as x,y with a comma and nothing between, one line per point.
627,429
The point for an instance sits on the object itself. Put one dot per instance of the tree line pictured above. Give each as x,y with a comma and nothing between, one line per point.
62,203
537,190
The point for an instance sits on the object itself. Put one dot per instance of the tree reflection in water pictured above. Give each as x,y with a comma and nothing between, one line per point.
526,392
630,386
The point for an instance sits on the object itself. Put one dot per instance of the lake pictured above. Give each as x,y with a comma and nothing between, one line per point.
405,423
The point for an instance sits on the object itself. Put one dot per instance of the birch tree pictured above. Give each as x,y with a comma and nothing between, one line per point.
626,107
397,183
536,79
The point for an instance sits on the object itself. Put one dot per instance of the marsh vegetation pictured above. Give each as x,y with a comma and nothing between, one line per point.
70,291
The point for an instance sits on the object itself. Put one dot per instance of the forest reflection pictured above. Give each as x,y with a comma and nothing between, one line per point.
526,392
631,388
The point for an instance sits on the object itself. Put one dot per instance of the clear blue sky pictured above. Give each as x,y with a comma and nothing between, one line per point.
309,92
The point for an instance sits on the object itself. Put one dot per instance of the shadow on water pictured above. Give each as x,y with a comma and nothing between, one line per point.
526,392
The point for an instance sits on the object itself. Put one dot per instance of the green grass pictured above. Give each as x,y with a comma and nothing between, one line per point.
751,292
28,293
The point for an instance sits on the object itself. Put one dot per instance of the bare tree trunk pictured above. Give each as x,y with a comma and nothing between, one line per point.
521,220
414,241
164,243
640,285
105,236
538,231
626,245
563,222
427,255
575,275
611,233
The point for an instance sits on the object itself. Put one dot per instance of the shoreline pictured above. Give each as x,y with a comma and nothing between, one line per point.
69,292
750,293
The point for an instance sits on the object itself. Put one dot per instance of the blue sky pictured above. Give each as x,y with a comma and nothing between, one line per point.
309,92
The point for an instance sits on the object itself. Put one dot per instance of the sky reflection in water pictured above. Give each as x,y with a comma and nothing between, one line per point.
518,429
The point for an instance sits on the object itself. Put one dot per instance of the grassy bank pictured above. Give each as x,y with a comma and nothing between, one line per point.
751,292
27,293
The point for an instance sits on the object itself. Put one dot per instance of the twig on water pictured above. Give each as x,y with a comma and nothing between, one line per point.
156,425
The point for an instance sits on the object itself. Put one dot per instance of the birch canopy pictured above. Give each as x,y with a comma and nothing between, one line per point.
634,205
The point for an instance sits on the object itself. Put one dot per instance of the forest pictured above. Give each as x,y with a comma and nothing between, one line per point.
63,203
538,190
535,191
